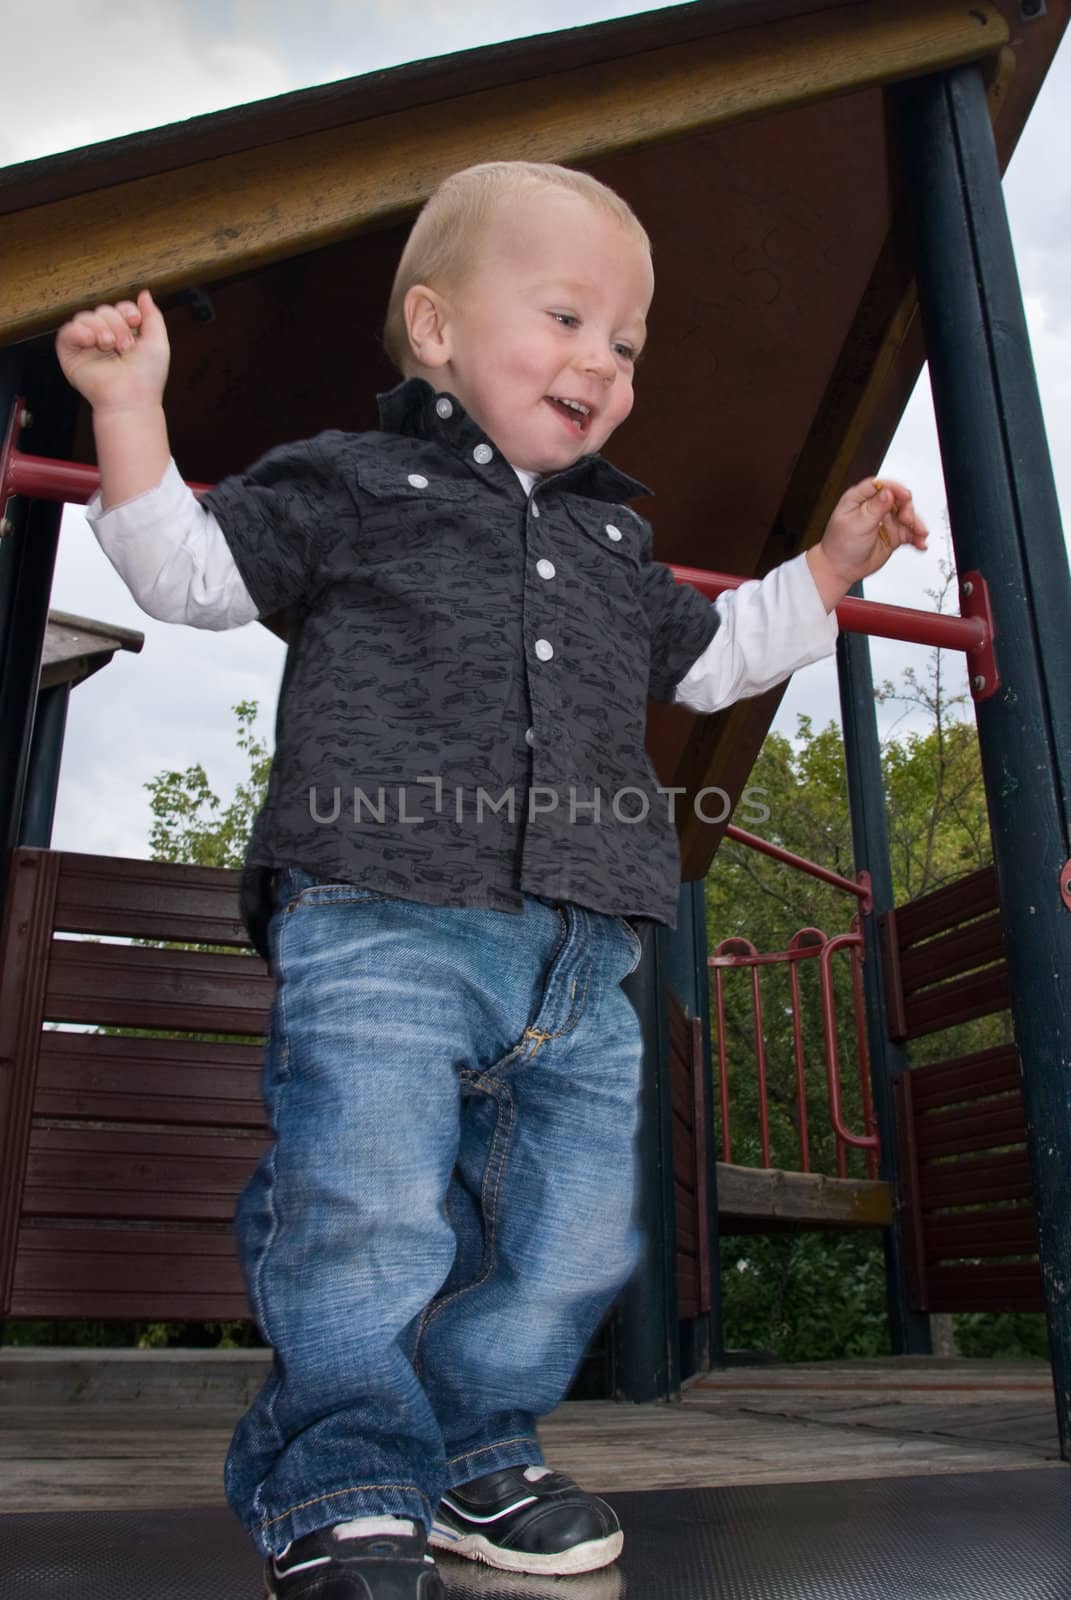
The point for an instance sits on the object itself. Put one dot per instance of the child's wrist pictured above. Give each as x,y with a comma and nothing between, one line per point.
832,584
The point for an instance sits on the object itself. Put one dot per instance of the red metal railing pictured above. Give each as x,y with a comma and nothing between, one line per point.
42,478
807,944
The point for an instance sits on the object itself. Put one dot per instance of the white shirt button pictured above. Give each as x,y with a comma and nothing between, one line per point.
535,509
612,532
444,407
529,736
545,568
544,649
418,481
483,454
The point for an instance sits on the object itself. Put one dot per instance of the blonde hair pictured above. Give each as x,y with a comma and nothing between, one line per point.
445,234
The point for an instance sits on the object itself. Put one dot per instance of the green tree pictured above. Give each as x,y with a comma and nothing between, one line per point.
190,823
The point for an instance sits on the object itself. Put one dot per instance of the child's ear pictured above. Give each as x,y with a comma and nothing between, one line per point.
426,326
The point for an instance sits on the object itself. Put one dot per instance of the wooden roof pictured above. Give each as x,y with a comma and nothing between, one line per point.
76,647
751,137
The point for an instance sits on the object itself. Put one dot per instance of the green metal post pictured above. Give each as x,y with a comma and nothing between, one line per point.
1006,526
909,1330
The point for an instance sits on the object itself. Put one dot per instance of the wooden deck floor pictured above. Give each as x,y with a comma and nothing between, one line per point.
130,1432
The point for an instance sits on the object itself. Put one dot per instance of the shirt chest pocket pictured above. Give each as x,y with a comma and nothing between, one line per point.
604,563
412,518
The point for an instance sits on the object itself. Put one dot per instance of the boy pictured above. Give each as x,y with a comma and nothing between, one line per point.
460,825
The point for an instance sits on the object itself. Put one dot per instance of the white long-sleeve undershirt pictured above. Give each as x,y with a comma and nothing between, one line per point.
174,558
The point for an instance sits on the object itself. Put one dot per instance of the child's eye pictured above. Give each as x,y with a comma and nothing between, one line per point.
566,318
627,352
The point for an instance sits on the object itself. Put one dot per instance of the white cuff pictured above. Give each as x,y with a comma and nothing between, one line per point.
173,557
768,628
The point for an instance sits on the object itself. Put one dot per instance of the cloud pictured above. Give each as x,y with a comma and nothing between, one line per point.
101,70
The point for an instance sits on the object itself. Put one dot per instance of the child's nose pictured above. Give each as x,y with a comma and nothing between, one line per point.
598,359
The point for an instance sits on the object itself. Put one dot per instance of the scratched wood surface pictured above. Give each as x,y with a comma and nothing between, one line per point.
746,1425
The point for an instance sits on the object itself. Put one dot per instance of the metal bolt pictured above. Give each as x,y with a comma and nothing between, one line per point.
6,527
967,588
978,682
1067,886
25,418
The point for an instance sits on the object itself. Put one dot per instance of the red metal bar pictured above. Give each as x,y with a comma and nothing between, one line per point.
43,478
868,616
866,1141
723,1069
862,1052
753,842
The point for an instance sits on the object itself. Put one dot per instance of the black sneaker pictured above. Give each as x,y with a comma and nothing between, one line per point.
527,1519
332,1564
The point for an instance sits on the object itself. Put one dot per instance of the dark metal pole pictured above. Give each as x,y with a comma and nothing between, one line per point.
909,1330
1006,523
648,1363
27,558
46,753
701,1338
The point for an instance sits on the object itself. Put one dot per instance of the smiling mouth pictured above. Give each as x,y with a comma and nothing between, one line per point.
574,412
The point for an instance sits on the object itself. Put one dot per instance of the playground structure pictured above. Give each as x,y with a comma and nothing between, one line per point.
822,186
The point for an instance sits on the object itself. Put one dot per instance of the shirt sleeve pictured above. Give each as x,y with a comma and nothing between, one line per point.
682,623
279,518
768,628
171,554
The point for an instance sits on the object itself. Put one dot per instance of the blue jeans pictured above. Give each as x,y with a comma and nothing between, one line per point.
447,1210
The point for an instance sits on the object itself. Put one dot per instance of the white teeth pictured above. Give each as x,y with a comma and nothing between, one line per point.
575,405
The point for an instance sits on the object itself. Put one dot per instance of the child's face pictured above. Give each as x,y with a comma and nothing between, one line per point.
540,338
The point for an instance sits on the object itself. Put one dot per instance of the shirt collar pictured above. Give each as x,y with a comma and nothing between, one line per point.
417,410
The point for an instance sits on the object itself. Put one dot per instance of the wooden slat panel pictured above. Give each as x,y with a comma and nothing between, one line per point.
100,1077
129,986
979,944
1011,1224
947,1004
684,1202
148,900
953,1132
984,1072
128,1274
1011,1287
102,1172
970,896
974,1180
684,1157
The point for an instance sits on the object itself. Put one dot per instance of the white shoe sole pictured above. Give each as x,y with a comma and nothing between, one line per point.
585,1557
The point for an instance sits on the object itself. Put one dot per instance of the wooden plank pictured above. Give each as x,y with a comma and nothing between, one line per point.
966,1078
1012,1286
1012,1229
990,1124
978,995
132,986
128,1274
103,1172
149,900
973,895
979,944
125,1078
802,1197
976,1180
214,218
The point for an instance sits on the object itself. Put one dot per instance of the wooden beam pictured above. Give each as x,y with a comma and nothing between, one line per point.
807,1199
214,218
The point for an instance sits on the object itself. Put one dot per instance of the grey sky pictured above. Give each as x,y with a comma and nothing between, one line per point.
129,64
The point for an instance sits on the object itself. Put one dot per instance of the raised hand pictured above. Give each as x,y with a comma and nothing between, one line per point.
869,521
117,356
